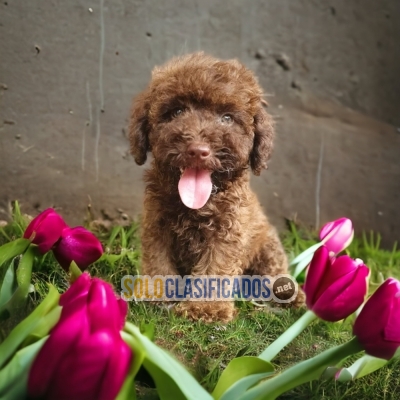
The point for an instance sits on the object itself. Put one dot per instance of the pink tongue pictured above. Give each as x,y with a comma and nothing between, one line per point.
195,187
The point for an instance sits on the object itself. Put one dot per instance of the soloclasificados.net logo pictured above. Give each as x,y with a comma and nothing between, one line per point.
281,288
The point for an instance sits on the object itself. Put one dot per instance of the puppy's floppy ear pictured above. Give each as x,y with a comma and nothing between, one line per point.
263,138
139,129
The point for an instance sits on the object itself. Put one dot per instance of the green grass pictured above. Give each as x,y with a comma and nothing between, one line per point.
207,348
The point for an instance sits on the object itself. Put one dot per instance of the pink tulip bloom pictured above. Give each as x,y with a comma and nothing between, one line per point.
79,245
377,327
84,356
45,230
337,235
335,288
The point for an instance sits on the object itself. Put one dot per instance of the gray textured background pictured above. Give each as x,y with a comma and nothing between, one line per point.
337,106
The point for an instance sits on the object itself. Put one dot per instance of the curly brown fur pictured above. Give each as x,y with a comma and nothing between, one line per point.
216,105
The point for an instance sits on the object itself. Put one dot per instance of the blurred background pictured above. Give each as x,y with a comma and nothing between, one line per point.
330,69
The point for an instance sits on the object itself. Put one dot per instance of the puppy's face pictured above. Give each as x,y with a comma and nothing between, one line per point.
204,122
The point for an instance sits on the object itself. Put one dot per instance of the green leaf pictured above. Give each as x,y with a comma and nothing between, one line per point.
111,258
114,233
13,249
239,368
296,271
301,372
74,271
24,270
124,241
17,217
172,380
128,390
363,366
240,387
15,303
44,325
9,285
132,256
306,253
14,376
28,325
15,287
148,330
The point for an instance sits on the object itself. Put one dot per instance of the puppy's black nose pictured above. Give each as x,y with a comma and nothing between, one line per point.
200,151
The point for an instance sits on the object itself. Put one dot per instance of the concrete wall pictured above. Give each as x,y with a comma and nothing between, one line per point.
69,70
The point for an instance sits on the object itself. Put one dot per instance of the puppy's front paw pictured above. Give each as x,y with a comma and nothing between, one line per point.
300,298
207,311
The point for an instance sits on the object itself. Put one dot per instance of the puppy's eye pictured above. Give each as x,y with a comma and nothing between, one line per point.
177,112
227,119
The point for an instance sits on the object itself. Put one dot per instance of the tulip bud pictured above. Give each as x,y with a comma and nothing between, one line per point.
45,230
84,356
335,288
377,327
79,245
337,235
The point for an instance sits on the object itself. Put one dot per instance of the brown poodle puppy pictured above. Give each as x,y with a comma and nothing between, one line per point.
204,122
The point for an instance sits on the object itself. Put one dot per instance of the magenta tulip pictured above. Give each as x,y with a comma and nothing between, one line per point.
79,245
84,356
377,327
335,288
337,235
45,230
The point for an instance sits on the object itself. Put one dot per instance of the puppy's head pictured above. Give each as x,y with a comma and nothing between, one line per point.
203,120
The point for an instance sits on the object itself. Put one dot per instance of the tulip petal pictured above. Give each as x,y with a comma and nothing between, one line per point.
123,311
36,222
58,345
370,324
103,308
116,370
85,356
315,274
79,288
344,296
83,369
342,266
392,328
79,245
45,230
336,269
391,332
337,235
326,229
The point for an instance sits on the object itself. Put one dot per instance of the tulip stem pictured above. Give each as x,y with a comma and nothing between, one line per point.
290,334
302,372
